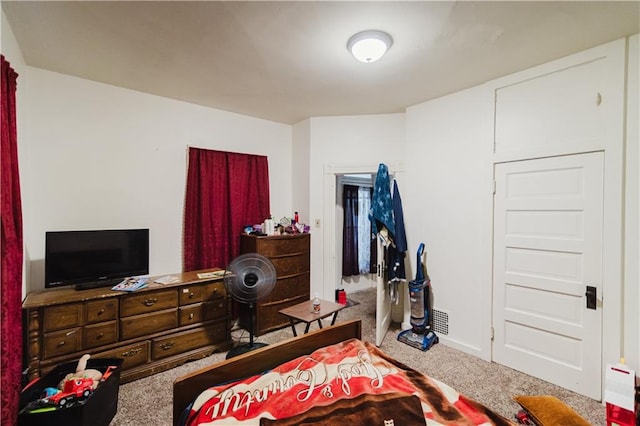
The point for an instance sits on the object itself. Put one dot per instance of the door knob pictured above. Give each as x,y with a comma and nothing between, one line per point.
591,294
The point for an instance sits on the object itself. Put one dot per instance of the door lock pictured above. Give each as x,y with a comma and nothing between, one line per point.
591,294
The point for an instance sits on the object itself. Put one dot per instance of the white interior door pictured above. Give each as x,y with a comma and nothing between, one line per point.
547,250
383,299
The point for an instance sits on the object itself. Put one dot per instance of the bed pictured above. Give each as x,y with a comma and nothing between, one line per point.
328,377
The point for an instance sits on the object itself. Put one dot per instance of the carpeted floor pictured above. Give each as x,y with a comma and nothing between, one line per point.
147,402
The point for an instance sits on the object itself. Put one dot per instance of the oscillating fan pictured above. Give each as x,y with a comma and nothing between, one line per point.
249,278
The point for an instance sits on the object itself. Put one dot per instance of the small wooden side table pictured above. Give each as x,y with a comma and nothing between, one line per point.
304,312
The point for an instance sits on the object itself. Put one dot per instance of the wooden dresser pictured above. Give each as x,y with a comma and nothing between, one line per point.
290,256
152,329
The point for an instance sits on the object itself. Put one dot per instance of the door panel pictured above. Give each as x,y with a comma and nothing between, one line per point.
547,249
567,101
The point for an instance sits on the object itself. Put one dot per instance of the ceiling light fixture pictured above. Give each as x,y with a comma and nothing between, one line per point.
370,45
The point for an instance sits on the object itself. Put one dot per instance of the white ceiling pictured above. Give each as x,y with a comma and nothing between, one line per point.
287,61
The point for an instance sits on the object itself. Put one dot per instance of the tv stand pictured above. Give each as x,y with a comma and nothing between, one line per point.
97,284
153,329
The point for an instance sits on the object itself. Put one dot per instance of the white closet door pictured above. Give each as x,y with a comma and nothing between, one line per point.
556,113
548,222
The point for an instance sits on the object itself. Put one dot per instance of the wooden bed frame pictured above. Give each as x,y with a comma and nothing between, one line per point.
188,387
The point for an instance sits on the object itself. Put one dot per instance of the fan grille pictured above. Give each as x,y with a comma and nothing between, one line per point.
250,277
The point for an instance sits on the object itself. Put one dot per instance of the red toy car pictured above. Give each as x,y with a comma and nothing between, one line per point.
74,390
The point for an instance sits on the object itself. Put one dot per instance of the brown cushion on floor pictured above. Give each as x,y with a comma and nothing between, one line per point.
547,410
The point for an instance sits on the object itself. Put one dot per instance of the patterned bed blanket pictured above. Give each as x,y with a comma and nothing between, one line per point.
352,380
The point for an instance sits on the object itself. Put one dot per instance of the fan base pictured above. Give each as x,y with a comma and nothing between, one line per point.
243,349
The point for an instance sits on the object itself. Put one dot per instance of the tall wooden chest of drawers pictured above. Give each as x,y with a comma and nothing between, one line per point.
290,256
152,329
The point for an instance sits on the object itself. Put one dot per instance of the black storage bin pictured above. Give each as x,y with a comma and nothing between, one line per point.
99,408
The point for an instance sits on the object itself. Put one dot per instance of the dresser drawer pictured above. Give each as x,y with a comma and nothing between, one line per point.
281,246
200,312
62,342
62,316
100,334
287,288
188,340
289,265
270,318
214,290
101,310
141,325
215,309
133,355
149,301
191,294
191,314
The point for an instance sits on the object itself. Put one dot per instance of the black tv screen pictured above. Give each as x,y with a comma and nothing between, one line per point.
97,258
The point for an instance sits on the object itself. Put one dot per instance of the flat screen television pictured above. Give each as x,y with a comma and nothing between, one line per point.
98,258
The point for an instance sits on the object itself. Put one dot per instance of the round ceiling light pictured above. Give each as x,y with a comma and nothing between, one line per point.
370,45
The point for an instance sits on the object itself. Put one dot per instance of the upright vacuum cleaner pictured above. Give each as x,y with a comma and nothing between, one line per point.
420,335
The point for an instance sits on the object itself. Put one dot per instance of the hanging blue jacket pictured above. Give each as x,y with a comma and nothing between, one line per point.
397,270
381,213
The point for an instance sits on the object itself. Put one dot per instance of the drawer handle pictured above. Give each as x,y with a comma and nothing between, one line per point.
191,295
131,352
167,346
191,315
100,336
101,311
61,344
150,302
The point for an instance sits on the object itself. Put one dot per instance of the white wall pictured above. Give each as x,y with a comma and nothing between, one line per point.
631,350
448,206
301,147
10,48
99,156
13,54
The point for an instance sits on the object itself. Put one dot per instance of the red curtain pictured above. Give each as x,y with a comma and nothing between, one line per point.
11,284
225,192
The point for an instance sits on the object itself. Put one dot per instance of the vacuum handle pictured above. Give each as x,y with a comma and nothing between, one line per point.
419,269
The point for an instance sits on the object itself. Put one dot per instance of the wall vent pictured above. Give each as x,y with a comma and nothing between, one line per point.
440,322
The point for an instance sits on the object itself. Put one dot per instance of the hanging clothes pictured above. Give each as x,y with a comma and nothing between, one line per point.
381,213
398,250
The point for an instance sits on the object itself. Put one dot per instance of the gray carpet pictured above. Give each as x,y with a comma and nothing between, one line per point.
147,402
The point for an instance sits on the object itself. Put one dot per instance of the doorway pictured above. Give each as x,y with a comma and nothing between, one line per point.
359,276
333,239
